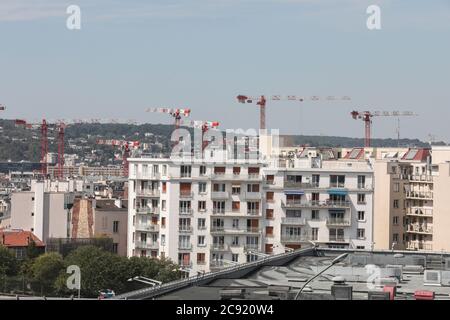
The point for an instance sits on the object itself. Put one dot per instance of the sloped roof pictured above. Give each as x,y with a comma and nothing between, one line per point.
18,238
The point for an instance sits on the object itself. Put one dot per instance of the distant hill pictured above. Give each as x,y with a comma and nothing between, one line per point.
17,143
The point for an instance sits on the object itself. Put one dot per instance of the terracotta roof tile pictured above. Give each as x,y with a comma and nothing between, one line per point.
18,238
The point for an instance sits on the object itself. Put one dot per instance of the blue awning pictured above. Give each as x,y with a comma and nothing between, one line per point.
338,192
294,192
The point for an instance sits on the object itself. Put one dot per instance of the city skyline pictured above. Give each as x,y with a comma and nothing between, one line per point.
166,53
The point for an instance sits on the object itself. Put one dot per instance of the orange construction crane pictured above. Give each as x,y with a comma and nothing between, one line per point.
125,146
262,101
367,116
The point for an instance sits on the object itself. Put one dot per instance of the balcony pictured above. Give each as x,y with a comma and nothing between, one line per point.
220,247
338,222
251,247
220,195
269,182
185,264
337,239
184,246
419,212
301,185
254,177
419,245
215,229
294,238
253,212
218,211
419,228
147,245
316,204
293,221
147,210
186,195
424,195
149,193
420,178
184,229
147,227
186,211
252,195
147,175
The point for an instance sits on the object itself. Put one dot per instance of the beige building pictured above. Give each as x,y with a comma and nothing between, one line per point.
411,209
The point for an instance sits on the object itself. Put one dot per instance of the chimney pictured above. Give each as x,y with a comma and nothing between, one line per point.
3,238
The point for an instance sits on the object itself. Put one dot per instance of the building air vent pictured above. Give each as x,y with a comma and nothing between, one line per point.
432,278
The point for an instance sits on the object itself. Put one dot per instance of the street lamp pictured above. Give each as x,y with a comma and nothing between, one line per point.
333,262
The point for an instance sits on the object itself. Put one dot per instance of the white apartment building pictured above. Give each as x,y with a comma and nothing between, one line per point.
207,215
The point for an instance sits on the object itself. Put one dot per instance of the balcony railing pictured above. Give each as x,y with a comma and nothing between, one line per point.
250,247
186,211
294,238
338,222
252,195
254,176
185,264
293,221
147,175
420,178
186,194
148,193
337,239
337,185
147,210
215,229
220,247
218,210
147,227
253,212
185,229
315,204
220,195
184,246
419,245
418,228
301,185
147,245
421,212
419,195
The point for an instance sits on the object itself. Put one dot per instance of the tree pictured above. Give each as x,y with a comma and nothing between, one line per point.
45,270
9,265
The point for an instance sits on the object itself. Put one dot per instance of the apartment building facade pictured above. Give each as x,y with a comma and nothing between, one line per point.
208,215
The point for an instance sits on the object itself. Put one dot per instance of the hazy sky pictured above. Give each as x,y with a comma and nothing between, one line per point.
134,54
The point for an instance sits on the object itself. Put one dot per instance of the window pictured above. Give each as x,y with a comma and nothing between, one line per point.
236,171
235,241
219,187
163,239
163,222
395,220
236,190
202,187
395,204
395,237
269,213
315,180
360,247
235,224
202,170
163,205
315,215
235,257
269,196
202,206
201,223
361,216
396,187
185,207
252,207
337,181
155,168
201,258
201,241
293,213
361,198
269,231
219,170
185,171
315,196
253,187
270,179
164,169
115,247
219,206
164,187
115,226
361,233
336,234
361,182
314,234
235,206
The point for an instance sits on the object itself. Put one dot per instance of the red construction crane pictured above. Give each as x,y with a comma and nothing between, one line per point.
202,125
2,107
367,116
176,113
262,101
125,146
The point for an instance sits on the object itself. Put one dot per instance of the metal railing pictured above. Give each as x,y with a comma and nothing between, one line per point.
147,210
147,245
153,291
418,228
186,194
185,229
417,211
148,193
184,246
186,211
315,204
338,222
419,194
147,227
293,220
220,195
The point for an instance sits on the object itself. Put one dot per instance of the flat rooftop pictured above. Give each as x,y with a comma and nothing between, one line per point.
295,273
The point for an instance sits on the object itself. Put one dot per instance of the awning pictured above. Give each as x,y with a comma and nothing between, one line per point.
338,192
294,192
